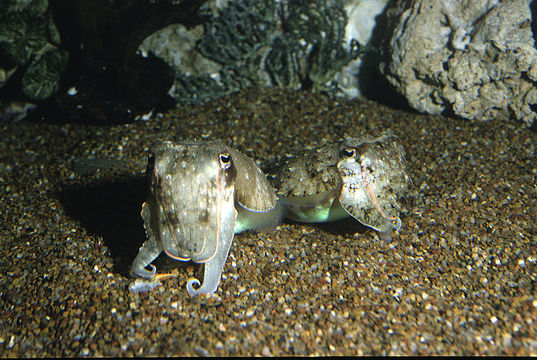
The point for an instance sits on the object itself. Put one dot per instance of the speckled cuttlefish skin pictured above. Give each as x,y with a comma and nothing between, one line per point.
200,195
363,177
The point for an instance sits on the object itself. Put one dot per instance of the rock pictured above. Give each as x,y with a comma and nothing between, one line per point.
475,59
30,45
362,15
296,45
11,110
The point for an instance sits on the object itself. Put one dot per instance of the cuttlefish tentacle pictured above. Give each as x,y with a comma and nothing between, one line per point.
212,271
374,198
143,259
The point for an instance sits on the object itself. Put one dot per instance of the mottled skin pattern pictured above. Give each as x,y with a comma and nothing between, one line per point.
362,177
200,195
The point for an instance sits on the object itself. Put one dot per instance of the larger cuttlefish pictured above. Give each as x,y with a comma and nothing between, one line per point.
362,177
200,195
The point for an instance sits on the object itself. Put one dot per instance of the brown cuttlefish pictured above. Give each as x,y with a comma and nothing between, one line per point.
363,177
200,195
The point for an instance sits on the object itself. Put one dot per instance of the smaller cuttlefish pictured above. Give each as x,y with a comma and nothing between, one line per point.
362,177
200,195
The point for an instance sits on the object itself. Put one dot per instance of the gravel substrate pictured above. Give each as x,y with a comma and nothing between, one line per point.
458,278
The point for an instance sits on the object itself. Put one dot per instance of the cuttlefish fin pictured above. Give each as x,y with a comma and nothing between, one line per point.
252,189
321,207
260,221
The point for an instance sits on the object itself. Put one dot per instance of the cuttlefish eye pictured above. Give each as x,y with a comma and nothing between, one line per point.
347,152
225,160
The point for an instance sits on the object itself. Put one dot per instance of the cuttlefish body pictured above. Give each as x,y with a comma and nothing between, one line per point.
200,195
363,177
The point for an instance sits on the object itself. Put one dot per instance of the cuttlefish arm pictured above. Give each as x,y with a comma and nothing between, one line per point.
150,250
215,265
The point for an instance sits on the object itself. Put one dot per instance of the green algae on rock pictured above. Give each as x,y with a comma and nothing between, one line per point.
290,45
30,40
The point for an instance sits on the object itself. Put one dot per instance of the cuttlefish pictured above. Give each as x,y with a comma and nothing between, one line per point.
200,195
363,177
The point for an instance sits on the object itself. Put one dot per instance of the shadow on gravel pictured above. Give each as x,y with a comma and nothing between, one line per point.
346,227
111,209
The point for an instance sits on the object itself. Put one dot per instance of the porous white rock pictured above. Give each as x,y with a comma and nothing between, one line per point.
475,58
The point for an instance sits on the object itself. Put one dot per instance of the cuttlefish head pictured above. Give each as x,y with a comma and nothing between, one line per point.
373,174
192,187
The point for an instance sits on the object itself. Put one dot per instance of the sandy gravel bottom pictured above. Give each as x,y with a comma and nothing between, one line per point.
458,278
